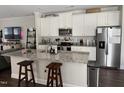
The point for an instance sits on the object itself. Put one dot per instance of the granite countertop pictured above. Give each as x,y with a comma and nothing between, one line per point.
71,45
9,50
62,56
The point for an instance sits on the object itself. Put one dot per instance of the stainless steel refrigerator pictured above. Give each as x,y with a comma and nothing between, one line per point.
108,46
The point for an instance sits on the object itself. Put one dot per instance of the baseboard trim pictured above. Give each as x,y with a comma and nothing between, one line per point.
42,81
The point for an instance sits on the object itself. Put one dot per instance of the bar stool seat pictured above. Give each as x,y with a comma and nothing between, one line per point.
54,74
25,64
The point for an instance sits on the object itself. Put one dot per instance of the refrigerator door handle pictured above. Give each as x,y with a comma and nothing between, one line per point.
106,51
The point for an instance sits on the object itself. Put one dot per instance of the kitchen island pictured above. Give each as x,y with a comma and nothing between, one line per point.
74,68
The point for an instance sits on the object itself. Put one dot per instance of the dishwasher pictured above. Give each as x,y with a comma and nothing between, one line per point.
93,76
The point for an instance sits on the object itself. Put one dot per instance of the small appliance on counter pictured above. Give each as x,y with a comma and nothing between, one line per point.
52,49
93,42
81,42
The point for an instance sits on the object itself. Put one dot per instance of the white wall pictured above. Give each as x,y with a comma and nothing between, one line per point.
122,45
24,22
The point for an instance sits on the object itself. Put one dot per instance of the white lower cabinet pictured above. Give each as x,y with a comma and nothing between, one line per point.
91,50
42,71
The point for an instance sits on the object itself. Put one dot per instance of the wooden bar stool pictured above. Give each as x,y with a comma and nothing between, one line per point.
25,64
54,74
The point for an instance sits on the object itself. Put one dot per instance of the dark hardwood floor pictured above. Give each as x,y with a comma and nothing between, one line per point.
7,81
111,78
108,78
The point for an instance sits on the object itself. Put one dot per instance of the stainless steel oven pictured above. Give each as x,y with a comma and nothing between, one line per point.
64,46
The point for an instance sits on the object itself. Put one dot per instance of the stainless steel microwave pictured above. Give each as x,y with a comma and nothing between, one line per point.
65,32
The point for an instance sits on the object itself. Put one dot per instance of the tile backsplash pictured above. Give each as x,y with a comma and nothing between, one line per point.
76,40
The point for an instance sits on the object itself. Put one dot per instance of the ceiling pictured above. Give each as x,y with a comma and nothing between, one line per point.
25,10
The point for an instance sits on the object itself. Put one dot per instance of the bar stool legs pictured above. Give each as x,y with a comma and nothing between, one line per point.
61,84
54,75
26,76
25,64
48,80
32,75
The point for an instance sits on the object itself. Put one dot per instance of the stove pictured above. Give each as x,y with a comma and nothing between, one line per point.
64,46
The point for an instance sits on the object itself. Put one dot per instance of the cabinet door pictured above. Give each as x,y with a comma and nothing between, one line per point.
113,18
45,26
78,25
42,26
68,20
90,24
62,20
65,20
102,19
54,26
41,69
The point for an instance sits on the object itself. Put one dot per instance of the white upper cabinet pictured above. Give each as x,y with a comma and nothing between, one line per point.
102,19
54,26
111,18
49,26
77,25
45,26
65,20
90,24
81,24
85,24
